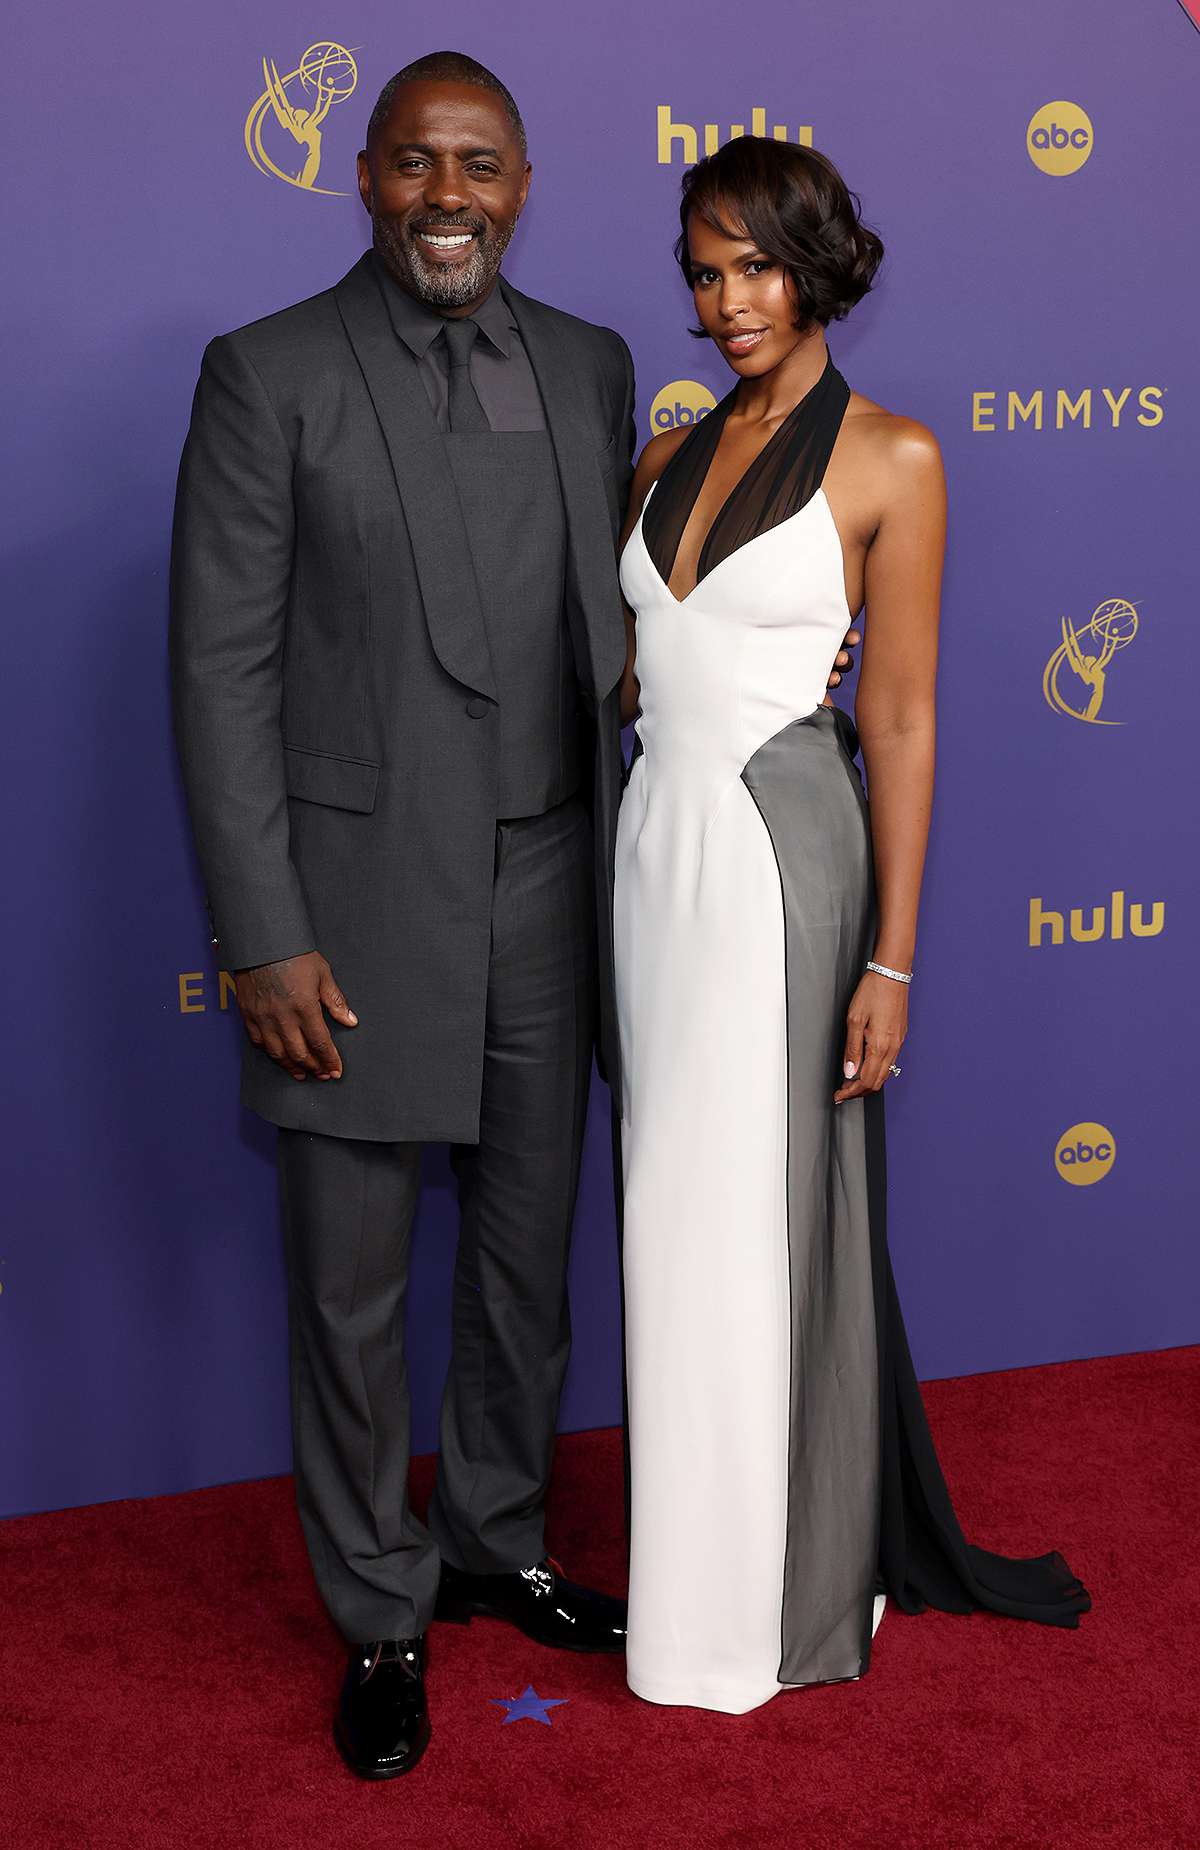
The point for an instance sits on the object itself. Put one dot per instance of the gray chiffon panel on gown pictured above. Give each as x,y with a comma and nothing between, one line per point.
810,797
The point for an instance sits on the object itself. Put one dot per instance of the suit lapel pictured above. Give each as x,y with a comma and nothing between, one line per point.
589,523
424,480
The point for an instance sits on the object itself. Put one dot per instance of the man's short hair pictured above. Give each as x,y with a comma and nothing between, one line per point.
447,67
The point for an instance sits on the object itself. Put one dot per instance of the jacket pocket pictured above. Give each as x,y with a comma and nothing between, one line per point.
324,777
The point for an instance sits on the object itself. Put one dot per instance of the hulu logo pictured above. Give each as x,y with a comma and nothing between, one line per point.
688,138
1103,922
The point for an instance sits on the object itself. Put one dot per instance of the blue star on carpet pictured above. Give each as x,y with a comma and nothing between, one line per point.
528,1706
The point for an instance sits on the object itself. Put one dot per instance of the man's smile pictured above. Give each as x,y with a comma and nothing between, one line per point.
446,241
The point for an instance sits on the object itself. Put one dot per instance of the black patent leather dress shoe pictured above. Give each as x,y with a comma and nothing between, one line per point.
381,1723
540,1602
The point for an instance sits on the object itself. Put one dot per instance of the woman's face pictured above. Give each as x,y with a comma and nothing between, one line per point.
746,300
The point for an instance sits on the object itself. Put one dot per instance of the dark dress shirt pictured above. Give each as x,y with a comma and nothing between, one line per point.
500,369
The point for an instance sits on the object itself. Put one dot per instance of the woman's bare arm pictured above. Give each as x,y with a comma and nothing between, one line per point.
894,711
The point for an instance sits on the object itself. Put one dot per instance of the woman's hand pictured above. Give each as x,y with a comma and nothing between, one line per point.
876,1023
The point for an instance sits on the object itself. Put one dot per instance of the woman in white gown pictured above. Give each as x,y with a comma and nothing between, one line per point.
783,1477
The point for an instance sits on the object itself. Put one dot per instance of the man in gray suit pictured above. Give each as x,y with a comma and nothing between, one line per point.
397,637
396,632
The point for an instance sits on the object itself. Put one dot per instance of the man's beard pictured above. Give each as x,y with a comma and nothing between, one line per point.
440,284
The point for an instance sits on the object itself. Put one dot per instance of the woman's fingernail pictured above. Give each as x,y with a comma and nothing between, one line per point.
849,1069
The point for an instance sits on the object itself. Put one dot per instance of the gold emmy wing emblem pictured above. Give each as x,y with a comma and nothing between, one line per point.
1087,652
297,105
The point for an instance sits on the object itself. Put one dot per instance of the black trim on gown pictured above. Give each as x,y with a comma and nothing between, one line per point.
924,1558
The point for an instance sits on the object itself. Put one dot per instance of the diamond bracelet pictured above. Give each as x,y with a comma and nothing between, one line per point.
897,976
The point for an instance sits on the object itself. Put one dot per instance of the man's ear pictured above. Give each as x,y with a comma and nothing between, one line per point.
364,180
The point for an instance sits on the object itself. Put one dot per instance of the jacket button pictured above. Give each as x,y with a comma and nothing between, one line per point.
478,708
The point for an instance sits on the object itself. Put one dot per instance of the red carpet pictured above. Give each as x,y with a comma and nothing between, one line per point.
167,1672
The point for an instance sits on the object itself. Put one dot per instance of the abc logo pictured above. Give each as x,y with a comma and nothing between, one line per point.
1059,138
1085,1154
684,401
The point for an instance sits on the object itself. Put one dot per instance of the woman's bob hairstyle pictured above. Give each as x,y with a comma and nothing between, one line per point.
795,206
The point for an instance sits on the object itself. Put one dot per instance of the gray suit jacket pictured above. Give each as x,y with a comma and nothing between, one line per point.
334,696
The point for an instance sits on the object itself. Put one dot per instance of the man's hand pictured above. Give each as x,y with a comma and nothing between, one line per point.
843,660
281,1007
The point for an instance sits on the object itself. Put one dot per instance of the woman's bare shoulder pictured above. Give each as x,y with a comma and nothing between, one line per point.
658,453
889,441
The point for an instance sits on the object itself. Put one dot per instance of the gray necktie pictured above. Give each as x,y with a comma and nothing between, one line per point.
466,412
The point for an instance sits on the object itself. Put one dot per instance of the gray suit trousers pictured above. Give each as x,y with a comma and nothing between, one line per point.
348,1208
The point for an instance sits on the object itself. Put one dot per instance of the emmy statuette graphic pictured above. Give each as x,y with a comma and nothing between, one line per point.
1088,651
298,104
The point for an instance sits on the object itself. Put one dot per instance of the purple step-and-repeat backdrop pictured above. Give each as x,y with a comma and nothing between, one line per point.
1032,171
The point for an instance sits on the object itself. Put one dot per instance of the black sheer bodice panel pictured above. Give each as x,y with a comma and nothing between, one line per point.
782,479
